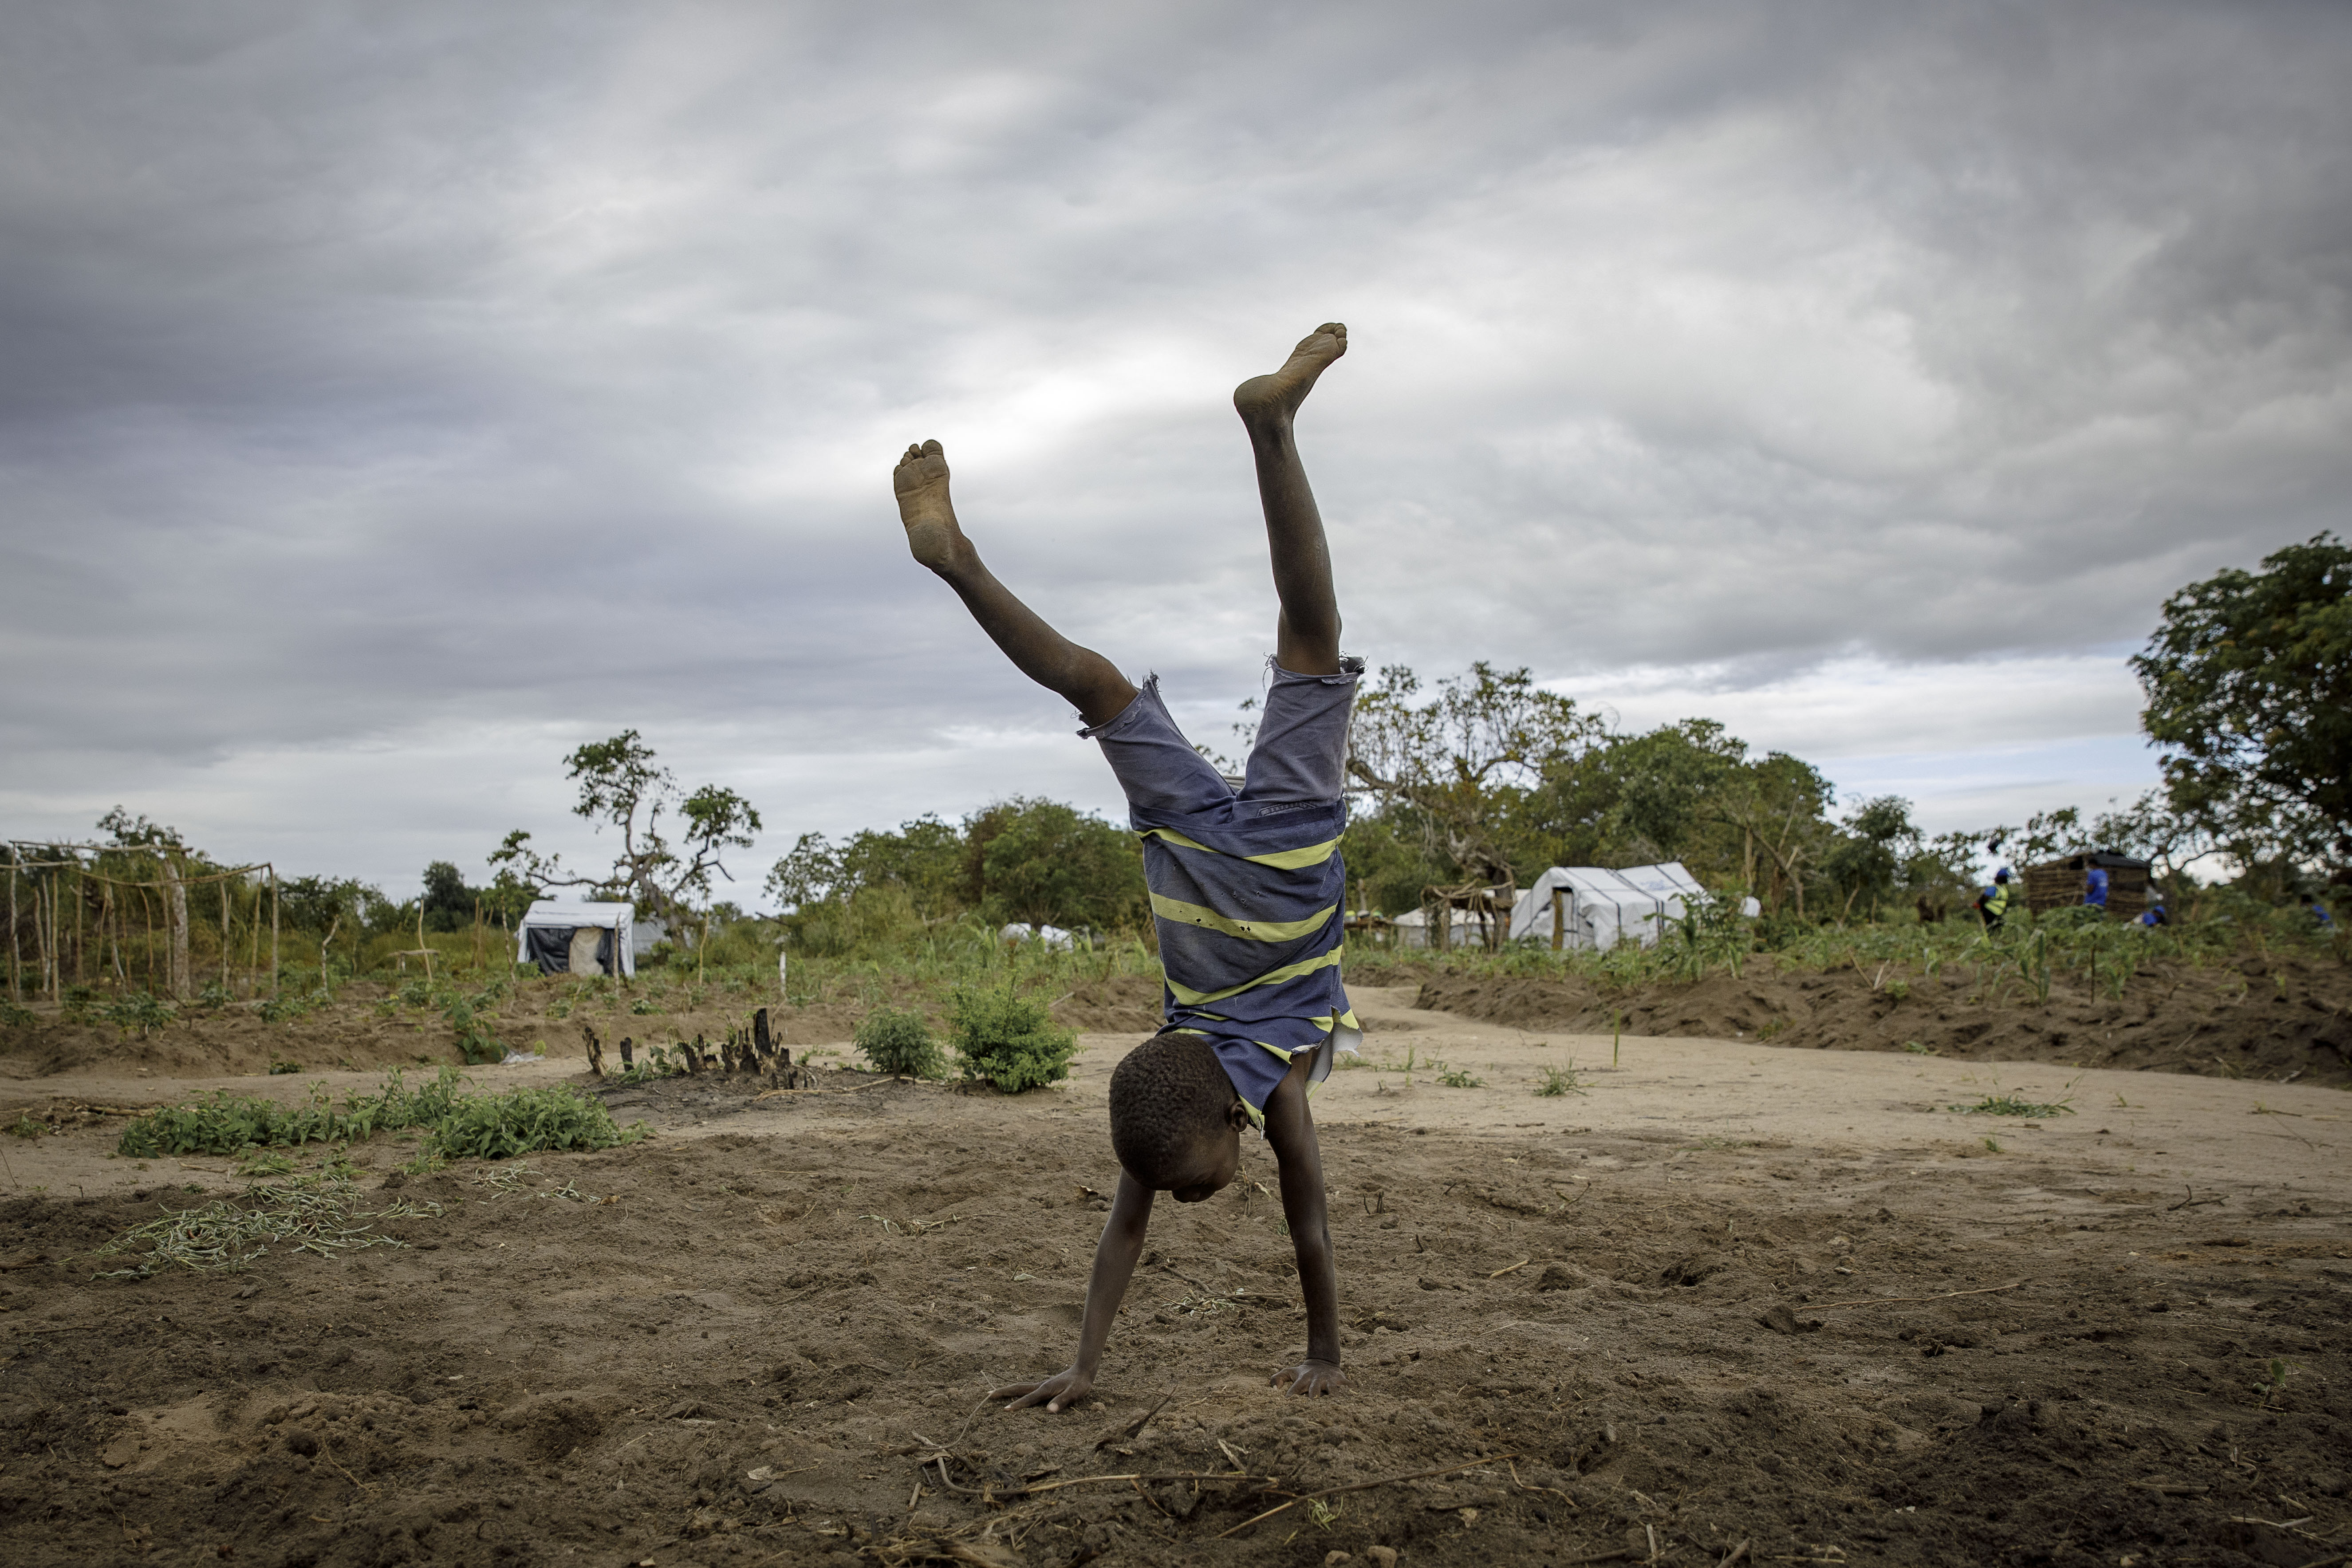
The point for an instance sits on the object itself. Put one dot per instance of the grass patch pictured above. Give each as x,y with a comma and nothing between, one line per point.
310,1214
1459,1077
490,1126
1553,1082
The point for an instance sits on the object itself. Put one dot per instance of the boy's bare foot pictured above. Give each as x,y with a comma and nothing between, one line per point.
1277,397
920,480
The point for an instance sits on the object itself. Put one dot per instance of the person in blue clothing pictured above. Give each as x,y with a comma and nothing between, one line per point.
1993,902
2095,886
2318,912
2154,915
1247,886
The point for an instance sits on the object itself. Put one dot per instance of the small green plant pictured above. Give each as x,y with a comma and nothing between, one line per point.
2274,1379
1917,1049
900,1042
284,1007
1322,1514
1553,1082
1772,1028
644,1007
281,1069
26,1126
1006,1039
1900,990
213,994
265,1163
78,1002
1991,1146
17,1017
523,1120
1459,1077
475,1041
138,1011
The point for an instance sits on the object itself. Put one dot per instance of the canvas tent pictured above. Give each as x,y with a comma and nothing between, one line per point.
578,937
1464,929
1601,908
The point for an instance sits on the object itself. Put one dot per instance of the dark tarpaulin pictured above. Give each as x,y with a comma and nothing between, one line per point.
550,948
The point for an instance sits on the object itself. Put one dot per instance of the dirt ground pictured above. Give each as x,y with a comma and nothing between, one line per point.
1712,1293
2288,1019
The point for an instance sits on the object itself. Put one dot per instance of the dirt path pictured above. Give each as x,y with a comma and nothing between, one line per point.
1728,1293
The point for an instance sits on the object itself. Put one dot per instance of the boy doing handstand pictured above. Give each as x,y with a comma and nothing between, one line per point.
1247,886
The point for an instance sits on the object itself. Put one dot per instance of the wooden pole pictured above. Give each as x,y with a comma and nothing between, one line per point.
252,962
15,983
1559,920
273,931
224,918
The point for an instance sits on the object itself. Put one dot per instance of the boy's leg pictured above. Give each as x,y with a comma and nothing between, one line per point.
1091,683
1307,633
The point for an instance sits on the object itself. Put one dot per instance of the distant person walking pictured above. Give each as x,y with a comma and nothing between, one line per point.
2095,886
1993,902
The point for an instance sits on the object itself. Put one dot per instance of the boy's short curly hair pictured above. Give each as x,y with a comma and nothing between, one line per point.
1169,1098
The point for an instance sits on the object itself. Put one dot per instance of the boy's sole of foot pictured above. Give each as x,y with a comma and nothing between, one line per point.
1278,394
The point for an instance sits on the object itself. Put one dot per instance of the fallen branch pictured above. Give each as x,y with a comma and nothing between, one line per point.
2191,1202
940,1463
1364,1486
1733,1555
1513,1268
1914,1301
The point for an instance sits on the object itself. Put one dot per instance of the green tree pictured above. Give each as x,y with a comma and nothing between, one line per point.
1452,768
1050,864
2249,687
623,786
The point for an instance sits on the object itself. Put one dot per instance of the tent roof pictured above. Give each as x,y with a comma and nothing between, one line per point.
580,912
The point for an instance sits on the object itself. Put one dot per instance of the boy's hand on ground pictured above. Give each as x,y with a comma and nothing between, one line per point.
1063,1388
1311,1376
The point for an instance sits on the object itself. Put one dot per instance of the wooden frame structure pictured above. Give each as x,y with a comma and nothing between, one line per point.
51,870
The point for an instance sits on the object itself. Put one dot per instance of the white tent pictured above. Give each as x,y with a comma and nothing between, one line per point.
1467,928
1601,908
578,937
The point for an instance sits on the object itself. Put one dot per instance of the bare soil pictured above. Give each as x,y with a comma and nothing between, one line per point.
2271,1018
1712,1294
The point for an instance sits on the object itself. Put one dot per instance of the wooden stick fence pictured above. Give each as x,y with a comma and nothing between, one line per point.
46,878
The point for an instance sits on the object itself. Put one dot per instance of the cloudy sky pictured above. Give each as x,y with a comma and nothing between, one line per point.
395,397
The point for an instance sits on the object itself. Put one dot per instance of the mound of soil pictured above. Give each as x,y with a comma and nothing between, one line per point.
2263,1018
365,1030
768,1343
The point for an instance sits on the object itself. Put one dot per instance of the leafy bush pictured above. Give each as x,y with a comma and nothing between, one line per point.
483,1126
1008,1039
525,1121
16,1017
900,1042
138,1011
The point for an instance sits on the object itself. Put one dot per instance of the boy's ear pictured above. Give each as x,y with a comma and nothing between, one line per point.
1237,1116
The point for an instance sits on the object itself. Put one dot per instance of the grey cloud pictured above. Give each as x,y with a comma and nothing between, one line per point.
361,371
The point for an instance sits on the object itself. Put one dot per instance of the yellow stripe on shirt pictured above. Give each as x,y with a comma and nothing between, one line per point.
1254,930
1281,859
1191,998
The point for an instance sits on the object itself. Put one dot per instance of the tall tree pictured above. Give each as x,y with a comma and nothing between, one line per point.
1454,765
2249,686
625,787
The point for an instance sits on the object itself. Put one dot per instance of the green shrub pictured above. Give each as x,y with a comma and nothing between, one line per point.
138,1011
460,1125
17,1017
1008,1039
900,1042
525,1121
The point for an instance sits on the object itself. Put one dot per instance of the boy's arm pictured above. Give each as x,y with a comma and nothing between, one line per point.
1291,1131
1115,1255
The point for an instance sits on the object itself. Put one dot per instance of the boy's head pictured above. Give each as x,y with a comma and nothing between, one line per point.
1175,1121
